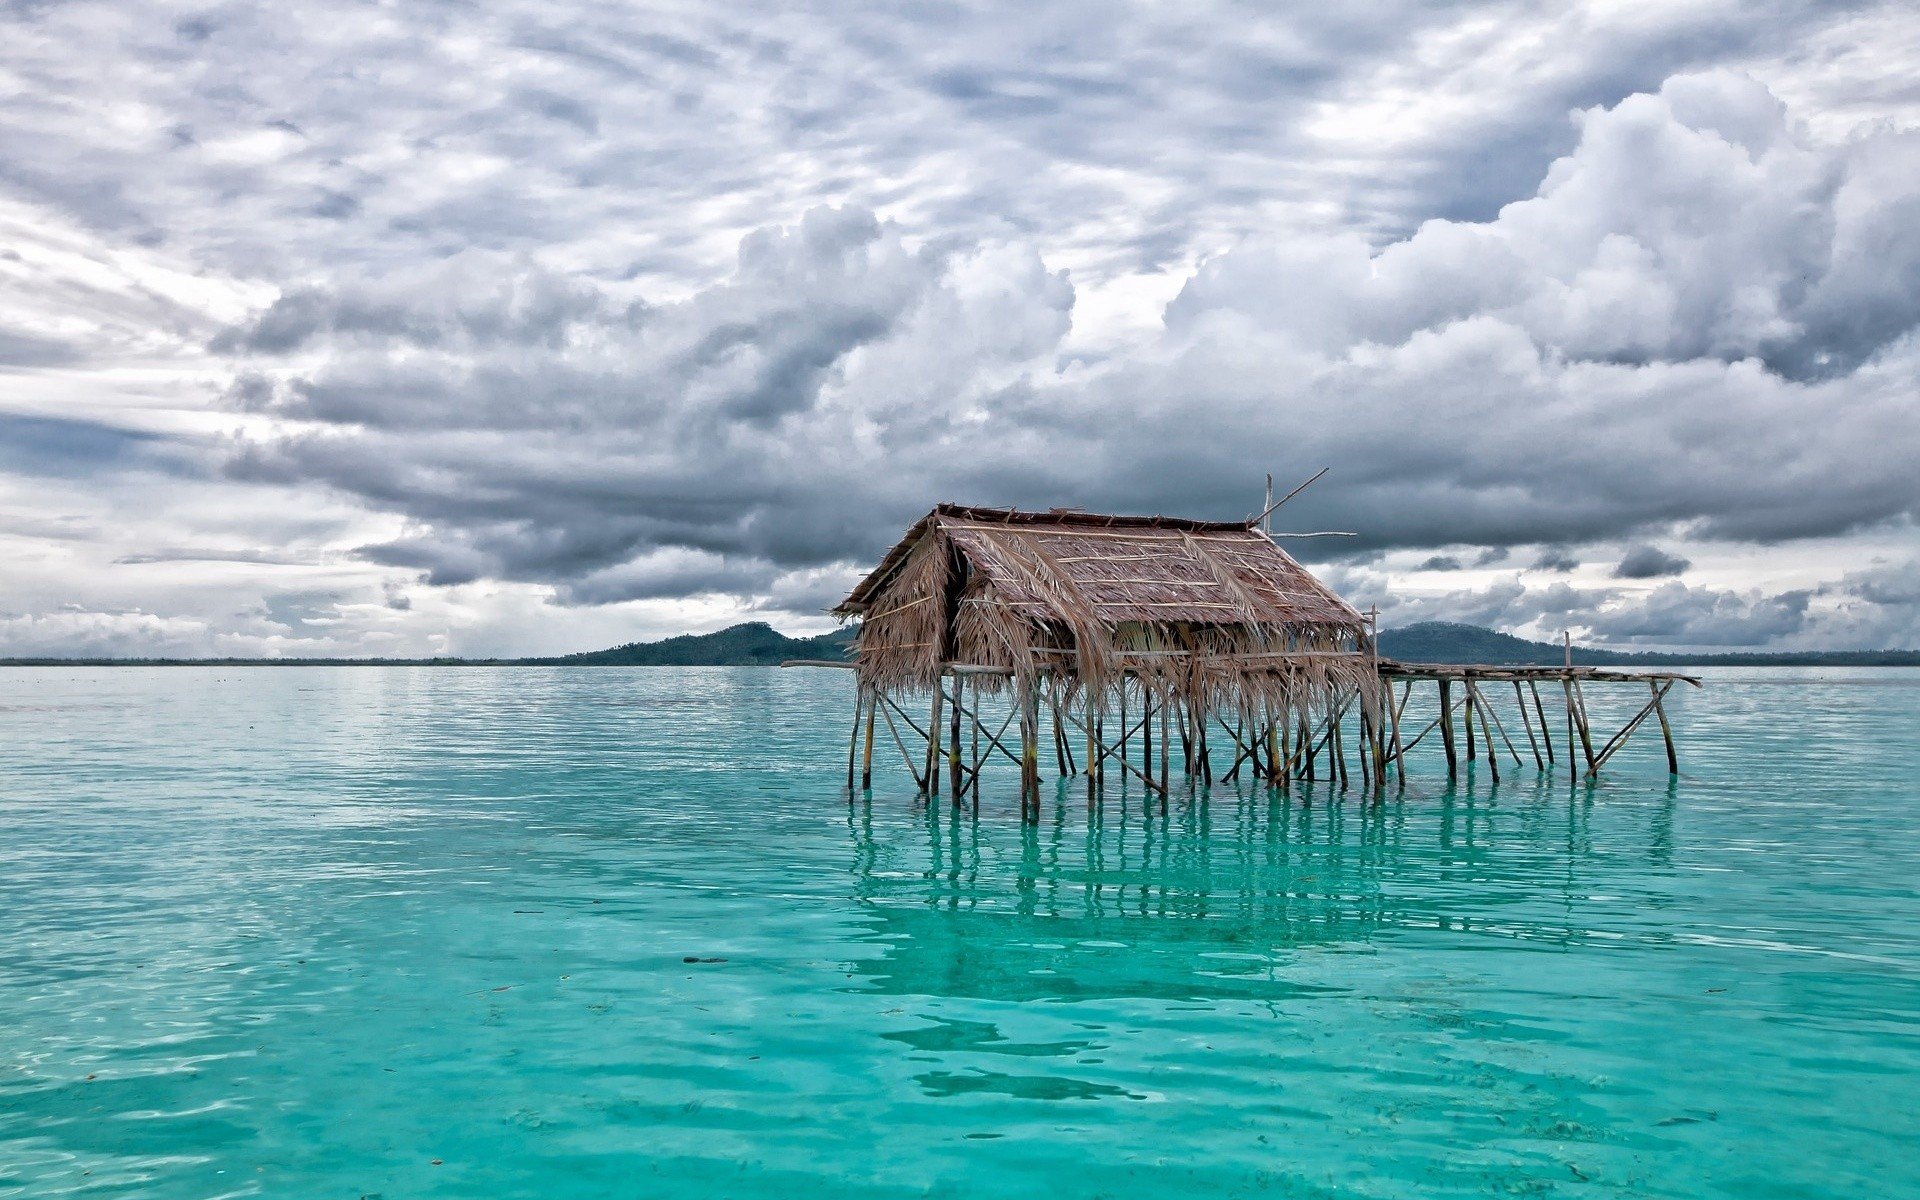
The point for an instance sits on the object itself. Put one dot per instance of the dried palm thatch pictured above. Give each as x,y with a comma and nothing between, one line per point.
1210,615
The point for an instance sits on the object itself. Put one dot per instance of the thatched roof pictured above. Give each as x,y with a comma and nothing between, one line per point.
1124,569
1093,595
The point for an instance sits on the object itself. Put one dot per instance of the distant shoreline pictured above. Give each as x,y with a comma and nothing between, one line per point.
757,644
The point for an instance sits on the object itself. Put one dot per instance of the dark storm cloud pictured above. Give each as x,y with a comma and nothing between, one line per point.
1649,562
1441,562
1555,558
801,411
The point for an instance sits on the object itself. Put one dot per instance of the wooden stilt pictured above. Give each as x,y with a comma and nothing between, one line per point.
1186,740
1446,727
1286,753
1399,752
933,738
1164,755
1029,701
1540,711
953,740
853,739
1146,729
1466,719
866,755
1533,744
1586,729
1092,727
973,713
1666,730
1477,703
1309,749
1337,750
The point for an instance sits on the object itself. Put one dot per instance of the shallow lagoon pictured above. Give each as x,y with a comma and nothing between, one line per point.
421,932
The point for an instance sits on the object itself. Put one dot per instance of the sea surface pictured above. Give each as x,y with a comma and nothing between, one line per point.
394,932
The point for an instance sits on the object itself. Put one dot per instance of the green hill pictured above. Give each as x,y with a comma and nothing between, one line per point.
1446,642
754,643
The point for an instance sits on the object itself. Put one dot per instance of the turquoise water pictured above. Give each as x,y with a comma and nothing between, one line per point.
422,933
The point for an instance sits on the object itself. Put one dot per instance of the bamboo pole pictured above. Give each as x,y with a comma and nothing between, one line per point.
1446,727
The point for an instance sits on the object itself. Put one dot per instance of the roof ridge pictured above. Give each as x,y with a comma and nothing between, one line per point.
1075,517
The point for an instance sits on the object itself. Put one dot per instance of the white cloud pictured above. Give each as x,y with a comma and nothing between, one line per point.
609,310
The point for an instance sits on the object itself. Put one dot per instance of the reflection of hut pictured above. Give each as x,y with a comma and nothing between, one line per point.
1185,625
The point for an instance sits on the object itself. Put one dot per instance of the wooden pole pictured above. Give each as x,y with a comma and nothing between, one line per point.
1029,700
1466,717
1285,770
1540,711
1337,747
1666,730
933,737
1446,727
974,712
953,740
1164,756
1533,744
853,739
866,756
1399,752
1186,739
1205,751
1586,727
1476,702
1093,746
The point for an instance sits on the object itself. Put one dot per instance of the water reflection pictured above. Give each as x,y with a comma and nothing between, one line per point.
1228,896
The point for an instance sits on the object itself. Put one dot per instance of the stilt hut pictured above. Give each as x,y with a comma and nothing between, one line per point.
1174,627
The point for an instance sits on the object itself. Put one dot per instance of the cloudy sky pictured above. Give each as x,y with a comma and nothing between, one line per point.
513,327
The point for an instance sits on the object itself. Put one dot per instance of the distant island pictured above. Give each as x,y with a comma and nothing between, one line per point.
758,644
